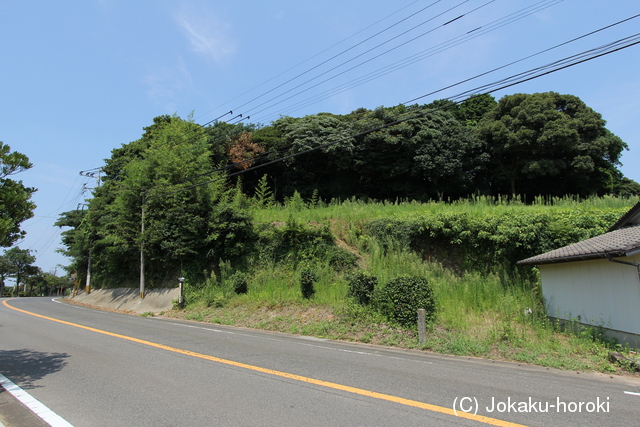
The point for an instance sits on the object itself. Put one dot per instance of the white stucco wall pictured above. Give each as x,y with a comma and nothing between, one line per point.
601,292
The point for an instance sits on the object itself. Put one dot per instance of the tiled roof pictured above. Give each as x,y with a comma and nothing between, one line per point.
632,217
617,243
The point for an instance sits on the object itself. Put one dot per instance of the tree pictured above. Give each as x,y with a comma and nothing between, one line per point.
263,196
43,284
447,155
328,169
34,282
190,219
20,265
5,271
628,188
547,143
430,154
15,203
472,110
243,151
76,239
384,159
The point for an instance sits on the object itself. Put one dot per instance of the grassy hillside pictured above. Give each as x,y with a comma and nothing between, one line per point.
465,250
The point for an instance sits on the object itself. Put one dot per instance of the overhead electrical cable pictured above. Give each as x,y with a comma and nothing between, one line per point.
522,77
45,239
441,47
362,54
316,55
450,86
347,50
253,159
496,86
531,56
551,67
529,10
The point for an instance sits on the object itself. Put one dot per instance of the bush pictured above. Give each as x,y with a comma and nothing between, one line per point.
307,278
294,242
491,238
239,282
361,287
341,259
401,298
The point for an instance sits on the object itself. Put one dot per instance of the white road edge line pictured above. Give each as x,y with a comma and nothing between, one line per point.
46,414
632,393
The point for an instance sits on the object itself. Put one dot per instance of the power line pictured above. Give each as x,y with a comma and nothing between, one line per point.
554,66
463,94
528,10
519,15
45,240
316,55
362,54
347,50
441,47
504,82
368,51
531,56
496,86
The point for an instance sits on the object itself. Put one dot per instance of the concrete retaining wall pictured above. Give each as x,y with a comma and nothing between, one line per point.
128,299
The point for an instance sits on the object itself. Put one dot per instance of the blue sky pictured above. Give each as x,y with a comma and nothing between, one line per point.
82,77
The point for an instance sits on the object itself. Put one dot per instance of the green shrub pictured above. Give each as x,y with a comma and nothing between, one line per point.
341,259
307,278
239,282
293,241
401,298
361,287
295,202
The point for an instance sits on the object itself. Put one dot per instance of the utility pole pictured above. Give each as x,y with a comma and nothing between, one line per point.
142,251
87,287
93,173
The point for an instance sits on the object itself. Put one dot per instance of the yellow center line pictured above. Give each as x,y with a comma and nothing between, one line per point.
328,384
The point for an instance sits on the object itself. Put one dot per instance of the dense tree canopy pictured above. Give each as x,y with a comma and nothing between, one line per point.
15,199
547,143
528,145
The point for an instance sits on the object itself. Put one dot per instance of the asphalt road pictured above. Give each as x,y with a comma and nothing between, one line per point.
101,368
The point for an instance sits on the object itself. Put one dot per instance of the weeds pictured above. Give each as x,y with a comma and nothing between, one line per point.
485,312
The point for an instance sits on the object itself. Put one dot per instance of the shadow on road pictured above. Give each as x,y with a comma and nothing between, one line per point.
25,366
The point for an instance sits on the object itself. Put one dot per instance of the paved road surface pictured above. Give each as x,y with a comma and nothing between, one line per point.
95,368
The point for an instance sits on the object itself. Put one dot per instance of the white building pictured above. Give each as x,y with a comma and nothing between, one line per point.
597,281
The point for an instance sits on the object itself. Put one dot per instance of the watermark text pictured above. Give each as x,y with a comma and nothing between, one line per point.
470,405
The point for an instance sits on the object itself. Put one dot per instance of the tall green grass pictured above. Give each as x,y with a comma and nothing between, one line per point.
281,284
488,312
356,211
463,299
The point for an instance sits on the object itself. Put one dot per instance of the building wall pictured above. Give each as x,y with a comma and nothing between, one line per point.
599,293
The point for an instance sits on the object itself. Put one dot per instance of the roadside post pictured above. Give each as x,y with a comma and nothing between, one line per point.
422,327
181,295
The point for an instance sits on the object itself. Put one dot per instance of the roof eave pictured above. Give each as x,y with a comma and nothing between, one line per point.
574,258
632,252
631,214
